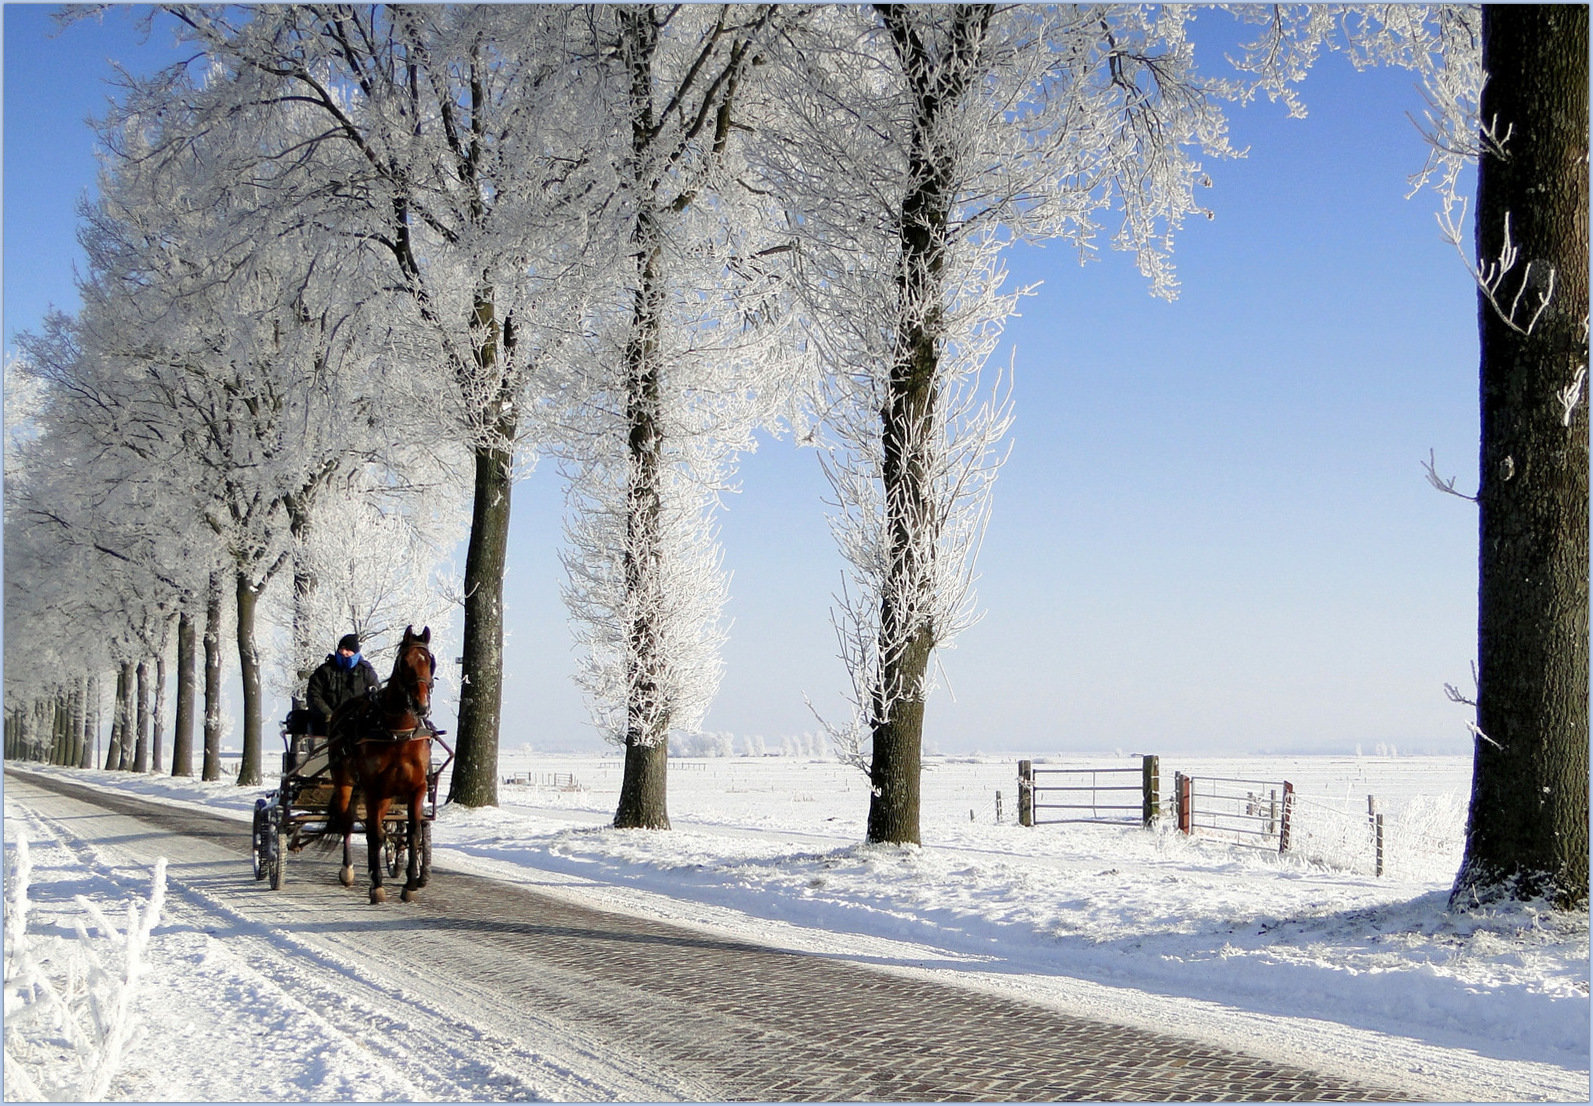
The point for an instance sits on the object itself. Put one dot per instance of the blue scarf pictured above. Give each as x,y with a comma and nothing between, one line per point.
349,663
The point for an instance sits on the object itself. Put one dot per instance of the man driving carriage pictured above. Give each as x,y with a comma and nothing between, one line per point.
343,676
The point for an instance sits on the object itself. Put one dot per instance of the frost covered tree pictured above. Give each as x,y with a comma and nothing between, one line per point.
683,360
364,562
916,141
439,152
236,347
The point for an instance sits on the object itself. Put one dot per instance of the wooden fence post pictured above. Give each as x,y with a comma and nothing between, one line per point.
1025,793
1151,789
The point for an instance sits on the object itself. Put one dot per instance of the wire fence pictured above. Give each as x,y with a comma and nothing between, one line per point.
1409,838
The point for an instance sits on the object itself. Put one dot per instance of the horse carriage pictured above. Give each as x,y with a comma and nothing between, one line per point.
385,752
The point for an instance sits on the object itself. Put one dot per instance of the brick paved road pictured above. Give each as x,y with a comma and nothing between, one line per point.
747,1023
760,1024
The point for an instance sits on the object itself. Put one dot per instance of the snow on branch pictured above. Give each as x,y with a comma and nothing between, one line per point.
1529,295
1445,484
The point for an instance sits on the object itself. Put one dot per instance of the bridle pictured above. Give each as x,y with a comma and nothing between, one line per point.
428,681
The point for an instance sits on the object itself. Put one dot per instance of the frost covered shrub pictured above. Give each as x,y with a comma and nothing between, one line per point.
68,1002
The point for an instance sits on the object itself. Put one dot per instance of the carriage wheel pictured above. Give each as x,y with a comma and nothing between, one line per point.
277,837
394,850
258,852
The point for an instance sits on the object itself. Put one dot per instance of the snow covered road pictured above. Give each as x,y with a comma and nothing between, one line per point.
319,998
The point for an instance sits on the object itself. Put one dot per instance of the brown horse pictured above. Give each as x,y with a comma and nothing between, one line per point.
382,745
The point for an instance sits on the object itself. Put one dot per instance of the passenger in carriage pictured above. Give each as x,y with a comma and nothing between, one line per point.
343,676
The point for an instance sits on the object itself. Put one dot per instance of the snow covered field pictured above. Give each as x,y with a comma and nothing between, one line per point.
1332,968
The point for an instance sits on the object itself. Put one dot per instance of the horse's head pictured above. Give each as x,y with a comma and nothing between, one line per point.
415,670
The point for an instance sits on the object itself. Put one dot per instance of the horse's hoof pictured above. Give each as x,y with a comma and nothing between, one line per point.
422,881
407,894
378,895
346,877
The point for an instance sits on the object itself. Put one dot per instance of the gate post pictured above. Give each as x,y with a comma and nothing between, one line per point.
1288,816
1184,796
1151,788
1025,793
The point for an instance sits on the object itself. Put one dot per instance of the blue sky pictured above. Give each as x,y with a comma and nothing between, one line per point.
1213,534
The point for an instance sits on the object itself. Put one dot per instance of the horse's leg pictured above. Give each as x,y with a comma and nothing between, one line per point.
342,817
375,837
415,875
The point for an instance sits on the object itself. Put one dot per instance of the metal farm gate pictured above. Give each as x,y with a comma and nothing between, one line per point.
1111,795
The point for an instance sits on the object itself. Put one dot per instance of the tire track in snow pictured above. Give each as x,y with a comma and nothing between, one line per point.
309,952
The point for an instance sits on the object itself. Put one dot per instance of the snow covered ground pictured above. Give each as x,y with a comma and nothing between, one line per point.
1325,965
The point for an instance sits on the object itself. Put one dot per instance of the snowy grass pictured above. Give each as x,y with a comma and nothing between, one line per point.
1301,956
69,999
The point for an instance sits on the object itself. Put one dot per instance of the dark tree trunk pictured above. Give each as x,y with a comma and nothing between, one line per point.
212,640
304,586
250,770
59,715
475,776
907,637
182,736
643,801
141,751
158,709
91,721
113,753
644,790
129,717
1527,831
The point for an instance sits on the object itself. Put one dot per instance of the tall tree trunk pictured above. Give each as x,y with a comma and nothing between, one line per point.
182,736
74,737
475,777
61,711
141,752
158,707
212,641
1527,830
113,753
91,721
908,417
304,585
129,717
250,772
643,801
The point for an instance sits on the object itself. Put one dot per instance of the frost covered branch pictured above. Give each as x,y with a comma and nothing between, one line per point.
1571,395
1530,295
1442,483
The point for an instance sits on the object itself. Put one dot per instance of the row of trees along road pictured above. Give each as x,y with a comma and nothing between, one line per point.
348,262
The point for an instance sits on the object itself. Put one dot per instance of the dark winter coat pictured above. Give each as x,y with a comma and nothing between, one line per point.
332,685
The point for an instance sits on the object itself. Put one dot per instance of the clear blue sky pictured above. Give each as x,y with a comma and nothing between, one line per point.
1213,534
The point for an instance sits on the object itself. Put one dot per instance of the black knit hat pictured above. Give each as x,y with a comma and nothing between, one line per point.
351,642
